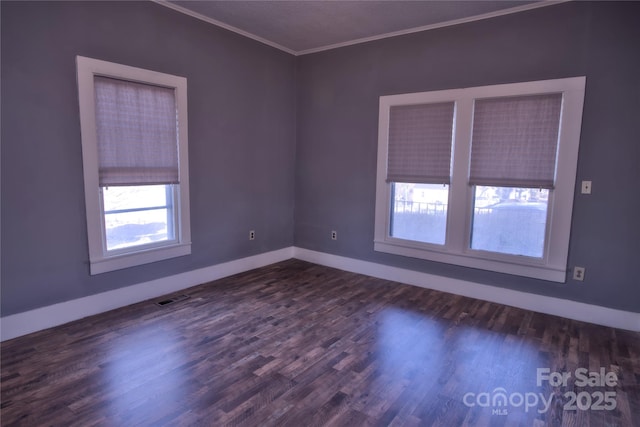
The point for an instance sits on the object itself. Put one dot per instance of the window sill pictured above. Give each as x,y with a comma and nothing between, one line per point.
118,262
525,269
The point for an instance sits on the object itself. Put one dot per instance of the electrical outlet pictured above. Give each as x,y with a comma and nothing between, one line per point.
334,235
578,273
252,235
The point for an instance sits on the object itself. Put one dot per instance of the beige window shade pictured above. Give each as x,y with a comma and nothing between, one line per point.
137,133
420,138
515,140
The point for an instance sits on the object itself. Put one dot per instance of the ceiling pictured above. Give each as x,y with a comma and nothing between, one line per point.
300,27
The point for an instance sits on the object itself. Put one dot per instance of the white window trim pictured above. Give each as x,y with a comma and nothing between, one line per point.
100,261
553,265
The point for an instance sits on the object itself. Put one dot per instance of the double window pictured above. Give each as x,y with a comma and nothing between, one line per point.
481,177
134,144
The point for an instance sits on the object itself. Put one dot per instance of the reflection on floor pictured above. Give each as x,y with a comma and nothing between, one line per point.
299,344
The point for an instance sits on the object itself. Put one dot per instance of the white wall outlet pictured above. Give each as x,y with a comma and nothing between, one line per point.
586,187
578,273
334,235
252,235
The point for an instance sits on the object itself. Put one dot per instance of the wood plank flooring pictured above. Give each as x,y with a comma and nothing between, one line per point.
296,344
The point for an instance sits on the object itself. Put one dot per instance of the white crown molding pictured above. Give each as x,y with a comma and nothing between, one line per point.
223,25
450,23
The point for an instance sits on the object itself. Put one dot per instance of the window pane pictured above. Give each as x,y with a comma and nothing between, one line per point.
143,196
510,220
137,215
419,212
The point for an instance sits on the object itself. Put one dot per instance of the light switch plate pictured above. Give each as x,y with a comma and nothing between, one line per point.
586,187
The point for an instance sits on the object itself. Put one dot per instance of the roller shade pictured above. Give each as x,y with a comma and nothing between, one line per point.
137,133
515,140
420,138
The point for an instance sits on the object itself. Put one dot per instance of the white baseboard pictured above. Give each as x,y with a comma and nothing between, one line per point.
53,315
46,317
539,303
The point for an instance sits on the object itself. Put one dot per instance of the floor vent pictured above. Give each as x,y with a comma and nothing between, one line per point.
172,300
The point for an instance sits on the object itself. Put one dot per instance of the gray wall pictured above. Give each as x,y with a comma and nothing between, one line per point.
241,101
267,130
337,114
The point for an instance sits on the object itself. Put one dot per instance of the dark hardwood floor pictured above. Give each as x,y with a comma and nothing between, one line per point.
296,344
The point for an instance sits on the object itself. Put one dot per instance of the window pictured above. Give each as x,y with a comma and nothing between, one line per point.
419,165
135,157
482,177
